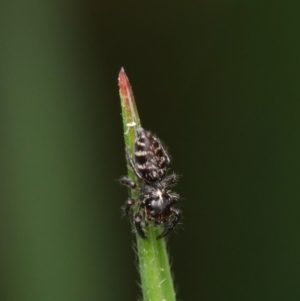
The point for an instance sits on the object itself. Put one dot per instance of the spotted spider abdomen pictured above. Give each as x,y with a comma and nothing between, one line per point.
151,158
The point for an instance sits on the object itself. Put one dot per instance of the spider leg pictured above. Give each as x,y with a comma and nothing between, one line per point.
139,225
170,180
174,219
126,181
128,206
174,197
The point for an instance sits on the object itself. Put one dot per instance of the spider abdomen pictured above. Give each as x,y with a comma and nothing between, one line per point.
151,158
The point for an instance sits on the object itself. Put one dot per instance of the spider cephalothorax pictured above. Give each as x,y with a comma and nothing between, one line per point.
155,203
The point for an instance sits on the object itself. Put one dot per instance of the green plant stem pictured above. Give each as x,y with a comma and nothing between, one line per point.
156,278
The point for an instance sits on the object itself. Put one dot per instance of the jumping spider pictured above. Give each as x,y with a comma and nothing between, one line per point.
155,203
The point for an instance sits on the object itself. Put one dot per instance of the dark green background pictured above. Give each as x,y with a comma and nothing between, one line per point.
218,81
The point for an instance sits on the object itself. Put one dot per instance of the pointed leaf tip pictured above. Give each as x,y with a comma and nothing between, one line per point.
127,99
124,83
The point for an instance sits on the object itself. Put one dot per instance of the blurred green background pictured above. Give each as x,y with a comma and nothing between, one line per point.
218,81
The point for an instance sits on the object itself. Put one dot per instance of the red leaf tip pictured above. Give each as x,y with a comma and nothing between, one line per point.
124,84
